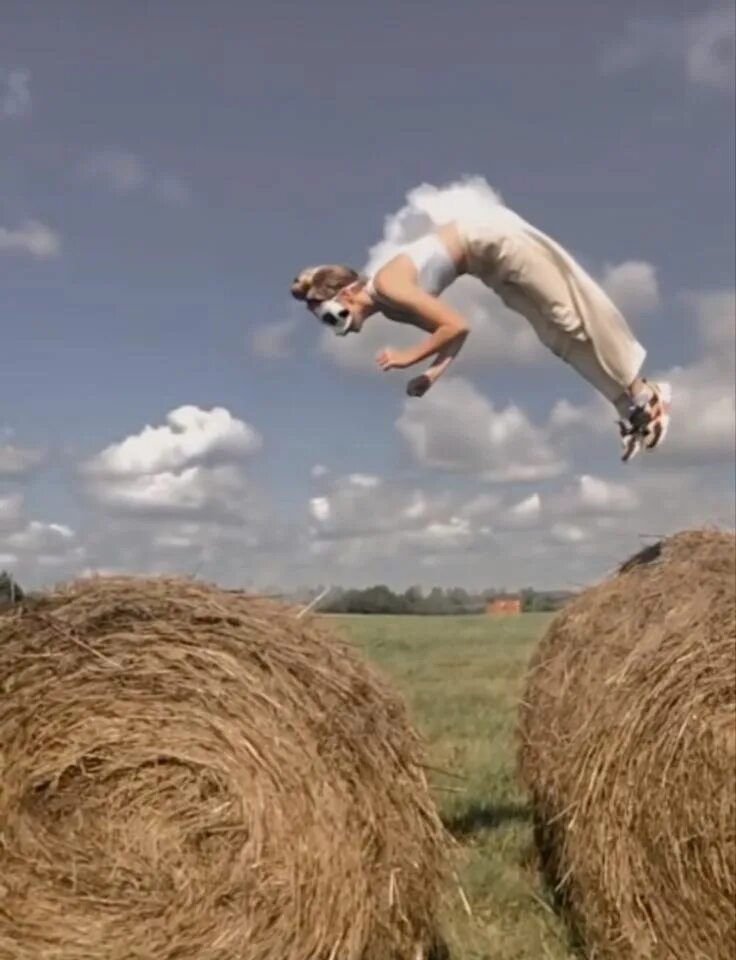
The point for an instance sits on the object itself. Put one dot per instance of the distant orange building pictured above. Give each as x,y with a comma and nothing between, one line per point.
504,605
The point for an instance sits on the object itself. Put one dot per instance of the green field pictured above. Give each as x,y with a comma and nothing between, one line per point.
462,677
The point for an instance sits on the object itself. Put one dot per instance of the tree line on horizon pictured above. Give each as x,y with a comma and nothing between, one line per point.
439,601
381,599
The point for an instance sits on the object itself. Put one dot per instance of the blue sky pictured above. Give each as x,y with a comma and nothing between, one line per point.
166,170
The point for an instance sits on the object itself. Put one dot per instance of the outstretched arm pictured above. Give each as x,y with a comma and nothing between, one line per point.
448,329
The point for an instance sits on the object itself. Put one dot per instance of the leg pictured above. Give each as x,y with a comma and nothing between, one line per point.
643,407
578,322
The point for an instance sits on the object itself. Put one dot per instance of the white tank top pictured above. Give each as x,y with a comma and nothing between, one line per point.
435,272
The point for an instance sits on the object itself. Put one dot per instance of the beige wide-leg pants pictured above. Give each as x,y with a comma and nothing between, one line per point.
535,277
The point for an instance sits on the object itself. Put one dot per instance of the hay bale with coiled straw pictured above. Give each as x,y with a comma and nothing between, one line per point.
628,746
191,774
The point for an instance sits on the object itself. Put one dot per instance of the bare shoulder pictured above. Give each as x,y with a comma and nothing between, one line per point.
395,275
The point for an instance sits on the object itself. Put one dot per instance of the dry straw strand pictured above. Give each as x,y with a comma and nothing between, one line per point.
191,774
628,747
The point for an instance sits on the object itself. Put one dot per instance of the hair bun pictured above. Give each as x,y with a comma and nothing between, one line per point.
322,283
302,284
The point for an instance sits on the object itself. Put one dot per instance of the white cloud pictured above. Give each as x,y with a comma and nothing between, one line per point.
457,428
567,533
702,46
565,414
206,492
633,287
33,238
319,507
358,506
416,508
319,470
191,435
35,544
389,531
365,480
525,512
15,94
273,340
16,462
120,170
704,392
602,495
563,535
452,534
176,499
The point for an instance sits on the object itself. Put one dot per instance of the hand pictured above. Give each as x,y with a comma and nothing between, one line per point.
419,385
393,360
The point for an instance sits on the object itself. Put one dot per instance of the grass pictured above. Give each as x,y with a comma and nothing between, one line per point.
462,677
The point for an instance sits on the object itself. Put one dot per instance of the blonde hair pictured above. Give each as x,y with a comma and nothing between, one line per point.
322,283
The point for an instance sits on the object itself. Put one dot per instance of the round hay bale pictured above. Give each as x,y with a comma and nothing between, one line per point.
628,747
190,773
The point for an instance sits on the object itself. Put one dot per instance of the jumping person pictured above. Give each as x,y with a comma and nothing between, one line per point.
533,275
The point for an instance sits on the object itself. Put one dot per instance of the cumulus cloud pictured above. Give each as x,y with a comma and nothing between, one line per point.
186,468
457,428
176,498
566,415
704,403
362,505
190,435
633,287
211,492
600,495
525,512
15,93
361,519
702,46
33,238
568,532
272,341
31,545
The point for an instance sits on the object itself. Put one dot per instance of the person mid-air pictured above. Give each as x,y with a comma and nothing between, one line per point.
533,275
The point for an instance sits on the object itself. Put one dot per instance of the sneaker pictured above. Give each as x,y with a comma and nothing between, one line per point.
647,426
